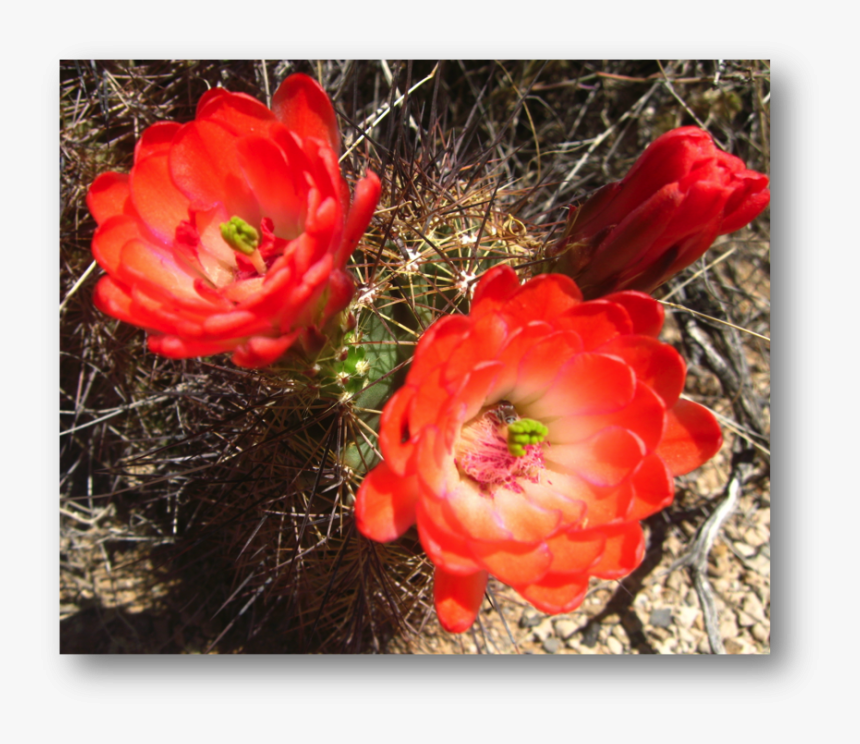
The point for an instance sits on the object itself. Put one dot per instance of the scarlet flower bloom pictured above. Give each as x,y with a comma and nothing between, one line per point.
664,214
529,439
231,233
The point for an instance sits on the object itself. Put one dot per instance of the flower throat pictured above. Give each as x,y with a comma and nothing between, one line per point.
497,448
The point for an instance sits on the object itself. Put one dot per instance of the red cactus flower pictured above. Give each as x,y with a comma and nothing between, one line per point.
530,438
664,214
231,232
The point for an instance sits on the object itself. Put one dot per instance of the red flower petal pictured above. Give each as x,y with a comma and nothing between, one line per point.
604,460
487,336
204,165
109,239
304,108
644,415
446,549
394,430
630,242
367,193
575,551
239,113
235,323
109,196
748,201
653,488
174,347
524,520
458,598
596,322
144,265
586,385
341,288
474,389
429,399
668,159
542,362
155,140
261,351
519,341
624,551
112,298
437,343
164,314
560,493
692,437
385,504
281,191
657,365
434,464
158,202
544,298
511,562
473,514
556,593
645,313
496,287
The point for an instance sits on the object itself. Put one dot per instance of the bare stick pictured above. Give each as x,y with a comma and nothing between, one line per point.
697,557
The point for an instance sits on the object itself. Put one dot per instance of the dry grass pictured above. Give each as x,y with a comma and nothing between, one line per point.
208,508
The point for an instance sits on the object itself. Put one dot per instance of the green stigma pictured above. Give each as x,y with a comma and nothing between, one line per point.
523,432
240,236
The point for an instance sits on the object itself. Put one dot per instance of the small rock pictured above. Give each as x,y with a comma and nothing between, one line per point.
530,618
686,641
686,616
760,564
660,634
551,645
615,646
755,537
760,633
752,611
667,646
589,637
691,599
543,630
565,628
747,551
733,647
676,582
661,618
728,625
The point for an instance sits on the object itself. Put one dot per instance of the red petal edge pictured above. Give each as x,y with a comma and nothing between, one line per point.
458,598
304,107
385,504
692,437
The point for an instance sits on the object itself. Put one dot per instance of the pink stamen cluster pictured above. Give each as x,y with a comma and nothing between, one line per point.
482,454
